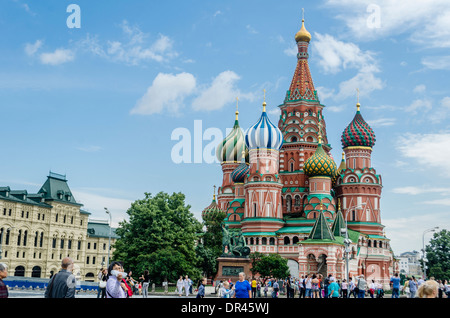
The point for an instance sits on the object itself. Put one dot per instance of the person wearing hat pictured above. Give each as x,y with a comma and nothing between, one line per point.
333,288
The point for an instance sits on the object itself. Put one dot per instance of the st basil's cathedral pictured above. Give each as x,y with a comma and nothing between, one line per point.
283,191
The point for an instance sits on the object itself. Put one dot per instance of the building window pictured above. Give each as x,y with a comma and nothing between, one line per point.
54,243
62,243
89,246
87,260
56,217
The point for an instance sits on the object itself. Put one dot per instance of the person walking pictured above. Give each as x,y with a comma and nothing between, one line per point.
326,283
254,285
344,289
145,283
242,288
186,285
308,285
302,287
3,274
333,288
63,283
115,287
372,288
428,289
180,285
102,278
225,290
276,288
361,285
395,282
201,288
315,286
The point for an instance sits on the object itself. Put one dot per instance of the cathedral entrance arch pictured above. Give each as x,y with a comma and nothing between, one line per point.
293,268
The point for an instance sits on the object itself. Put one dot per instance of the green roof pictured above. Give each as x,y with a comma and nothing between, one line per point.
100,229
338,224
295,229
56,189
321,229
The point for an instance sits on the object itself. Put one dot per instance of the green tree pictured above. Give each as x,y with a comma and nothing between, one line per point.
160,237
438,255
269,265
211,247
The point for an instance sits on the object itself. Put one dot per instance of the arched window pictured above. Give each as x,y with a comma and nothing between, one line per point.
289,203
287,240
272,241
297,200
264,241
36,272
19,271
295,240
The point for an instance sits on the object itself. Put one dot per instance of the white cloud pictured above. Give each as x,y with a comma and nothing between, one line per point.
381,122
292,50
251,29
426,22
167,93
59,56
422,105
95,204
412,190
420,88
437,62
134,50
31,49
424,148
90,148
406,233
222,91
335,56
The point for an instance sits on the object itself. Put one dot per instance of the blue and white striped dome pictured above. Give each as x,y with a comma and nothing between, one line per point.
264,134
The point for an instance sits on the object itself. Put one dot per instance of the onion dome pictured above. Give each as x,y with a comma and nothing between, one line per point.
264,134
303,34
230,149
358,133
341,168
212,211
320,164
238,174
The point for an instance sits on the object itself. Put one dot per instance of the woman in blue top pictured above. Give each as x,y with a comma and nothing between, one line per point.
333,288
242,288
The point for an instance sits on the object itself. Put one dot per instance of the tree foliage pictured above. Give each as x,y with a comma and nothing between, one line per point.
211,247
438,255
272,265
160,237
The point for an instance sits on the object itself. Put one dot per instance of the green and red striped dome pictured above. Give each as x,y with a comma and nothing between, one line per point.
358,133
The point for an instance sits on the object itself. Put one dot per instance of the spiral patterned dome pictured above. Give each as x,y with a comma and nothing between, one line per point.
212,211
230,149
358,133
264,134
238,175
320,164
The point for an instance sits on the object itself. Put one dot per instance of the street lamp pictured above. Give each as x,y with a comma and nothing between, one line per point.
347,241
110,224
423,246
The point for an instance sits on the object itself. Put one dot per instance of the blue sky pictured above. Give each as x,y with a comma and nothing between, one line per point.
100,103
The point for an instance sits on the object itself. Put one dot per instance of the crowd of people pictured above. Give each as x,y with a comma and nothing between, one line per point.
114,282
316,286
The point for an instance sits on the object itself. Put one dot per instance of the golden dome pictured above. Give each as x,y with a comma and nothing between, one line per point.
303,34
